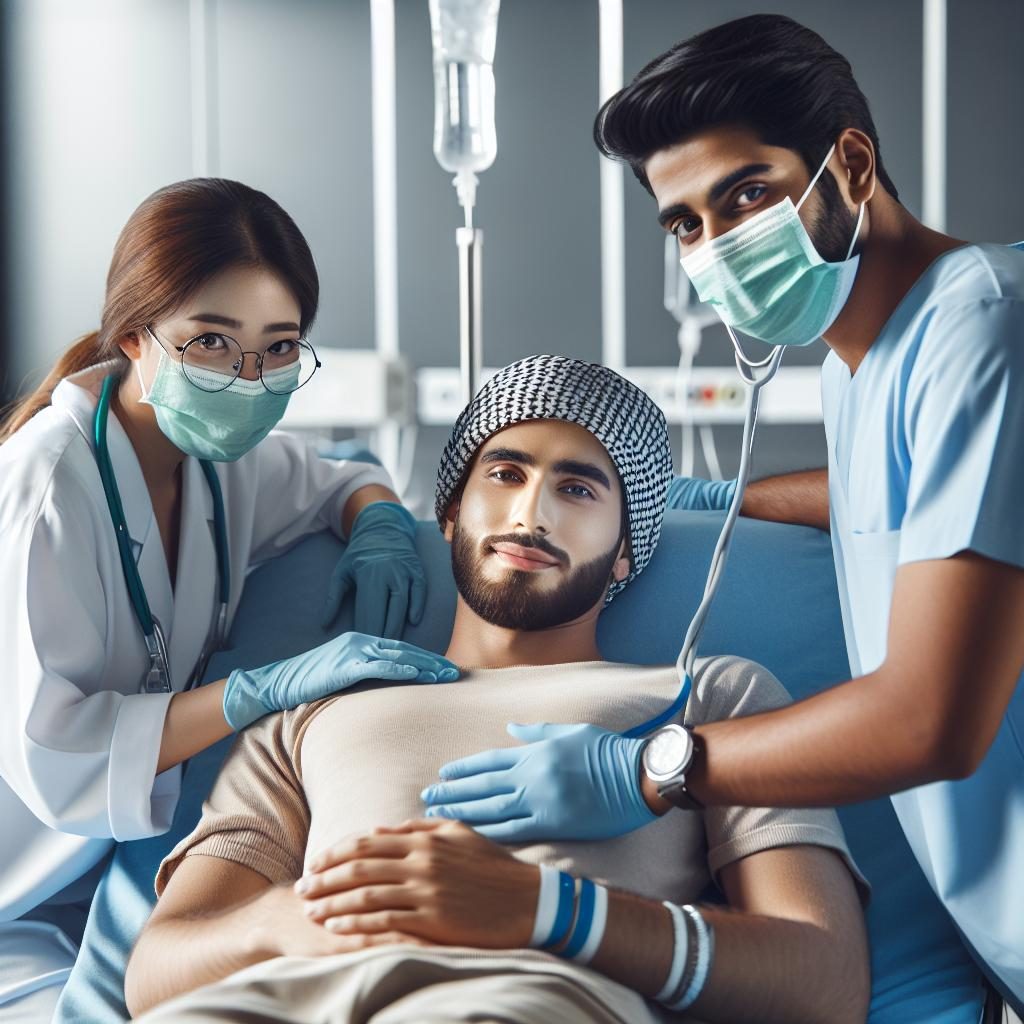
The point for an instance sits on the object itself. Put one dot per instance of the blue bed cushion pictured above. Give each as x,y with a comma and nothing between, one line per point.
778,606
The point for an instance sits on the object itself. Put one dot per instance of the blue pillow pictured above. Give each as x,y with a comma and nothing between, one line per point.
778,605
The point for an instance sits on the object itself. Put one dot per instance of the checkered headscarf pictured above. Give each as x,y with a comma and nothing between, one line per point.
621,416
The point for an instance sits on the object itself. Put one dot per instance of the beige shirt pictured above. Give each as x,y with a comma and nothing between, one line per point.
301,780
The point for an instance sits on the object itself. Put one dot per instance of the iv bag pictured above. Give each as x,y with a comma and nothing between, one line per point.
464,33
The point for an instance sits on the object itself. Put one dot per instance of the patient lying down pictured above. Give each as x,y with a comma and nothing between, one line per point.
400,919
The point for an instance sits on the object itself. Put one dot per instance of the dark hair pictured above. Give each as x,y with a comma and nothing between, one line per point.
765,72
179,238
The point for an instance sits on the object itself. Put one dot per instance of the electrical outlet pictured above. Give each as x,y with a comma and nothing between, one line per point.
715,394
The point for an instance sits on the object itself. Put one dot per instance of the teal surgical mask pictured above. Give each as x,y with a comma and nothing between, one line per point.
766,279
217,425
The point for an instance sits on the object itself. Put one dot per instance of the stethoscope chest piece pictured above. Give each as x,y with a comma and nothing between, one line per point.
158,676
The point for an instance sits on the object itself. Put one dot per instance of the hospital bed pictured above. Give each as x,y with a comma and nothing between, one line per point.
778,605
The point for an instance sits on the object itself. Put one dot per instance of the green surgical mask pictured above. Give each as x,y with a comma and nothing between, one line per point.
217,425
766,279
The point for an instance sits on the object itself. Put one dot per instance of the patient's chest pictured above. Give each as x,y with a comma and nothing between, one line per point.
365,756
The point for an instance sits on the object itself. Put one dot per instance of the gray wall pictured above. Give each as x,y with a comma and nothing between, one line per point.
97,116
986,125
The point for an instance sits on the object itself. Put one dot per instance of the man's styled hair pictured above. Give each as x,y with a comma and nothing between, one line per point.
765,72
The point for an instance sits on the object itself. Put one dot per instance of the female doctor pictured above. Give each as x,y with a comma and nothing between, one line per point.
136,487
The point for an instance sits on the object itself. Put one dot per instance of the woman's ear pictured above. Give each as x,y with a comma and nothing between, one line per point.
130,345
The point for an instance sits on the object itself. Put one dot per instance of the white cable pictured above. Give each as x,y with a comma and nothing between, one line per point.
707,446
684,374
687,451
406,462
688,338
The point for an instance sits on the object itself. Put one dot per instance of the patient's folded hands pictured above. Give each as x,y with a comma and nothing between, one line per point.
438,881
287,930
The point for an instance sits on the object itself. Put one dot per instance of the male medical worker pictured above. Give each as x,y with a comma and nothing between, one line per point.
923,395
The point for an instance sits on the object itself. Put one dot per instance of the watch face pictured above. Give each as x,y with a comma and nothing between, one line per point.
668,751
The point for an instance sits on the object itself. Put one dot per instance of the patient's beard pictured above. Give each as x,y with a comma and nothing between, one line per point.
514,601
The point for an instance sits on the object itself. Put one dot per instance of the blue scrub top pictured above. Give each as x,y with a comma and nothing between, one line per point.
926,459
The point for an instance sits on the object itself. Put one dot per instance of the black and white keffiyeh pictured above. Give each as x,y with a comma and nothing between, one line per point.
622,417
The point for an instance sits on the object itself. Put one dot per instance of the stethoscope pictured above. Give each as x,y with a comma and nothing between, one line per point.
755,375
158,676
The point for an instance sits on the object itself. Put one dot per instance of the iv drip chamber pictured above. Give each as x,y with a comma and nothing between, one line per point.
464,33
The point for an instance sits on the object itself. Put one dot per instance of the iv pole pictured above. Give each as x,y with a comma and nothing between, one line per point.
470,243
463,36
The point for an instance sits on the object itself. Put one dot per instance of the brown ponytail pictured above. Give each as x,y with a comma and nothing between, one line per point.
179,238
85,352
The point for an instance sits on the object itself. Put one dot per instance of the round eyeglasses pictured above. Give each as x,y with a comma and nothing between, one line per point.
213,362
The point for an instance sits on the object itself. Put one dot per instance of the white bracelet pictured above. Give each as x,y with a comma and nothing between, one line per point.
597,926
547,906
704,950
679,946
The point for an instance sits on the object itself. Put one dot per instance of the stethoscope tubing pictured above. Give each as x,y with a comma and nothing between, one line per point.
135,588
688,653
158,676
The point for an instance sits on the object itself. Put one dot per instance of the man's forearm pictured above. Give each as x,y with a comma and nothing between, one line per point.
861,743
764,968
178,955
800,498
857,741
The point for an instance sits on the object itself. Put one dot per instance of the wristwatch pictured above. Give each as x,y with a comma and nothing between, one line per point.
667,757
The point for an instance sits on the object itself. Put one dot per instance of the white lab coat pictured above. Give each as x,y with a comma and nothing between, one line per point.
78,742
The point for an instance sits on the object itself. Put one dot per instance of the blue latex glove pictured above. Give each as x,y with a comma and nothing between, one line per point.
380,561
342,662
568,782
691,492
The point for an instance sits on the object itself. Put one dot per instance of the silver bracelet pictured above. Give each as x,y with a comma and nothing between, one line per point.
680,948
692,955
705,951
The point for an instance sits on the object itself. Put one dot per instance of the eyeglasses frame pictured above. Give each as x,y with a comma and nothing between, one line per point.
180,349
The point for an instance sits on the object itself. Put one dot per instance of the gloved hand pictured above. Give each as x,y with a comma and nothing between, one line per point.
380,561
568,782
691,492
342,662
